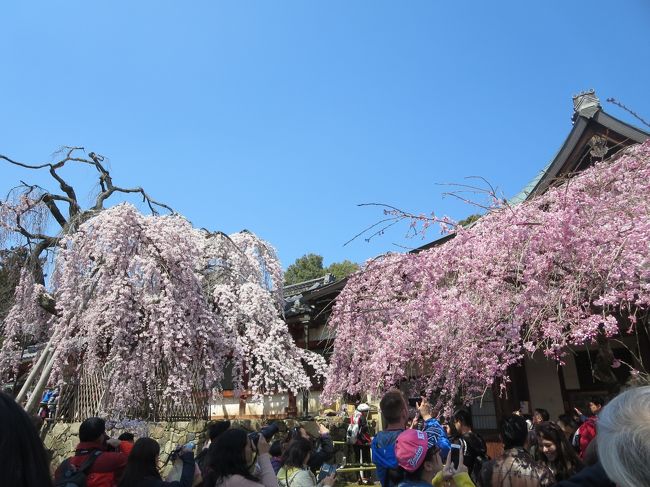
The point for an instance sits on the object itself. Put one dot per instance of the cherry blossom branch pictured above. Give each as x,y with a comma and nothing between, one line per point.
567,267
396,215
634,114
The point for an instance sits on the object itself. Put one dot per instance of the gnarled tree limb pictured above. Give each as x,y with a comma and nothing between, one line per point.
40,242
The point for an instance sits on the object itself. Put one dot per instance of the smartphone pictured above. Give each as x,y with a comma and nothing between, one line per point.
413,401
455,454
326,470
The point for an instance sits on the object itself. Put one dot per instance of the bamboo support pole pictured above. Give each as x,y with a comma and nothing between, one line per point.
355,469
32,373
34,399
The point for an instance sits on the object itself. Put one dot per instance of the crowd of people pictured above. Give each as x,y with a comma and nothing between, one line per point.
577,450
611,447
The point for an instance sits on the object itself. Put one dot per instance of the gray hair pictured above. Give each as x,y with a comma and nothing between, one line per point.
624,438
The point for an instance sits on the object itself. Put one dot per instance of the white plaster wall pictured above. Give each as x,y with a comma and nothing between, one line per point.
228,407
314,402
270,406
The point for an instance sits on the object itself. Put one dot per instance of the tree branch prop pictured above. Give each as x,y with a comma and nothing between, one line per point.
141,300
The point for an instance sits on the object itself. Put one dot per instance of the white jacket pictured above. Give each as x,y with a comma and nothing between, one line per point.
296,477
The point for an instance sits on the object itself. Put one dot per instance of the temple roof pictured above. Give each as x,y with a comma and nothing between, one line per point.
595,136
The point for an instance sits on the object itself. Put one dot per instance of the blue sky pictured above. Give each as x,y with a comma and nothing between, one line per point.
281,117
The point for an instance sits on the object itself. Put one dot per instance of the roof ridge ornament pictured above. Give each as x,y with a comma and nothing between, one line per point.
585,104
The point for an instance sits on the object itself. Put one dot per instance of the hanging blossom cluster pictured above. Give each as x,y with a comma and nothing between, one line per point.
22,213
143,301
557,270
244,284
131,307
25,323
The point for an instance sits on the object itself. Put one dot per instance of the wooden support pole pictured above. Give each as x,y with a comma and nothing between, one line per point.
34,399
32,373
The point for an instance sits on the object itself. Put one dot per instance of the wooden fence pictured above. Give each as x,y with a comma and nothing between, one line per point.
87,397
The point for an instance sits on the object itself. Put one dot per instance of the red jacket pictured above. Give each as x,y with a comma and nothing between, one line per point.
108,467
587,433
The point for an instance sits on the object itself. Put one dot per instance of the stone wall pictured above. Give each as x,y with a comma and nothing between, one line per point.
62,438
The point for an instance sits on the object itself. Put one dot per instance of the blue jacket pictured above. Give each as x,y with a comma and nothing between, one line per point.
438,437
383,448
383,454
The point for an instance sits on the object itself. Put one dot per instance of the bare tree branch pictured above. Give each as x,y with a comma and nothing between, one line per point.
456,194
48,200
420,223
74,208
397,215
369,228
634,114
106,183
21,164
39,242
151,203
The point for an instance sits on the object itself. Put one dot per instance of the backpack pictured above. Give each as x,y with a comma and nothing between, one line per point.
353,429
575,441
73,476
479,447
384,457
475,474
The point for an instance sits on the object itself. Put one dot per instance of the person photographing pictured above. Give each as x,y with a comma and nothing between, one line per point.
101,467
394,409
295,470
234,458
142,466
422,466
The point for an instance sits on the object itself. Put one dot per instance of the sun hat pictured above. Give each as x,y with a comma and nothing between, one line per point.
410,449
363,407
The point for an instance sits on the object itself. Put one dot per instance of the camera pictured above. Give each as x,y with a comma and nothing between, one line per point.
413,401
267,432
176,452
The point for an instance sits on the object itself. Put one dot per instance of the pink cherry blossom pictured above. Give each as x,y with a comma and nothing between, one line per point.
159,308
554,271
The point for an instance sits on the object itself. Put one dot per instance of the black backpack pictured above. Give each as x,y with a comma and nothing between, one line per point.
479,447
73,476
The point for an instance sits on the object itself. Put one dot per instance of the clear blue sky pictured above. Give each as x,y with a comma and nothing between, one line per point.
281,116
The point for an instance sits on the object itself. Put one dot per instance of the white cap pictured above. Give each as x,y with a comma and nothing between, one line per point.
363,407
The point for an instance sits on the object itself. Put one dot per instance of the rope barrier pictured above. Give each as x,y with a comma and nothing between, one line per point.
355,469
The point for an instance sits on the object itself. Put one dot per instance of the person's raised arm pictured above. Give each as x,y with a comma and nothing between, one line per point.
267,474
436,435
317,458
